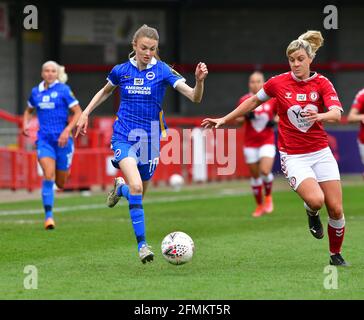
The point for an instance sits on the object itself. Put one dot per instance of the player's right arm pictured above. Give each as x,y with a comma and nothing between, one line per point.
27,116
246,106
358,105
98,99
355,116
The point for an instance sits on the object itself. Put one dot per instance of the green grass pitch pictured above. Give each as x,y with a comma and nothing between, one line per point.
92,253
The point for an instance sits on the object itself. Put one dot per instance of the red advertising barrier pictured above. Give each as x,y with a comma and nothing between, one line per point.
18,169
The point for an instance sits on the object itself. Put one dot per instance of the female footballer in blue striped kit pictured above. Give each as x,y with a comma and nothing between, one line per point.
140,122
53,99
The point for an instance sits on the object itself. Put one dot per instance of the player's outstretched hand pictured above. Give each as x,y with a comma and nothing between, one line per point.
63,138
201,71
212,123
82,124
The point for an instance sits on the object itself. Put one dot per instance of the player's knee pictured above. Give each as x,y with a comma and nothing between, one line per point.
316,203
336,212
49,176
265,172
60,183
136,188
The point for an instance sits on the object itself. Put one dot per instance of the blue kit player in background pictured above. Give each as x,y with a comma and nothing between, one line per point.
140,122
53,99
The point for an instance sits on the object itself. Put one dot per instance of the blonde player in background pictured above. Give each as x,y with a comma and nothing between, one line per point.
53,100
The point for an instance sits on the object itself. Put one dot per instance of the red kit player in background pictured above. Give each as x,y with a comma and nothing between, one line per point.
305,100
356,114
259,148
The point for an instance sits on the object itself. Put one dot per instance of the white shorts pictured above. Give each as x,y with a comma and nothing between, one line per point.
320,165
253,155
361,151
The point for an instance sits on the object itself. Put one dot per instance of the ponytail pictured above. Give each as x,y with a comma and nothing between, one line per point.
311,41
61,74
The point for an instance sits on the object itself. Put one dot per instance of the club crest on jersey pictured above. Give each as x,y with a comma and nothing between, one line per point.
301,97
288,95
138,81
314,96
54,94
150,75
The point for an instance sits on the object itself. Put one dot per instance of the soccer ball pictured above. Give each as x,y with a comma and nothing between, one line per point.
178,247
176,181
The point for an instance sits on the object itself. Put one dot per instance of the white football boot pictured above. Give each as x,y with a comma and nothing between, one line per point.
112,197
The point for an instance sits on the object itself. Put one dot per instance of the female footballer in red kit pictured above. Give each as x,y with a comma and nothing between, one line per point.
356,114
259,148
305,100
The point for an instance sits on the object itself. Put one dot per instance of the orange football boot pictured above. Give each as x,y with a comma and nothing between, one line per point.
268,204
259,211
49,224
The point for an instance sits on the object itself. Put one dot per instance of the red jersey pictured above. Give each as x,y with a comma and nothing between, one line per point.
294,96
359,105
257,133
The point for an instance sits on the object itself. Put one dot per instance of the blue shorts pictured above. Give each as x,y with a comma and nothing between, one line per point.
62,156
145,154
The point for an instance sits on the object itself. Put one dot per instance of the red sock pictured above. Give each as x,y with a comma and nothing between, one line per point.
268,182
258,194
336,231
257,187
268,188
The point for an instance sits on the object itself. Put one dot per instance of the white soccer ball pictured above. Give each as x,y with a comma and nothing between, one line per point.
178,247
176,181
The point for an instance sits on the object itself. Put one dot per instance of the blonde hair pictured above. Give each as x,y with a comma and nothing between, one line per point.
61,73
310,41
145,31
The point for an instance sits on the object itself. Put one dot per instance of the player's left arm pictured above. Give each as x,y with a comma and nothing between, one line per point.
333,115
74,107
194,94
76,113
355,114
331,102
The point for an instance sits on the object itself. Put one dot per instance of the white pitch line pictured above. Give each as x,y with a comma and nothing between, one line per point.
123,203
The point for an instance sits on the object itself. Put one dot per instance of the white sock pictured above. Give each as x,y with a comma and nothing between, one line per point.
310,211
268,178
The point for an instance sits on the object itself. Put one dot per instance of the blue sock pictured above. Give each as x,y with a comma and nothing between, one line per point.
137,218
123,191
48,197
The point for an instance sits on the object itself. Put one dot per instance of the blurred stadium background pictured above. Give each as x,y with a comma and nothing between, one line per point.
234,38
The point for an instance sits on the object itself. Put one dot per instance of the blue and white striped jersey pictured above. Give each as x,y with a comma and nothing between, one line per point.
141,93
52,106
